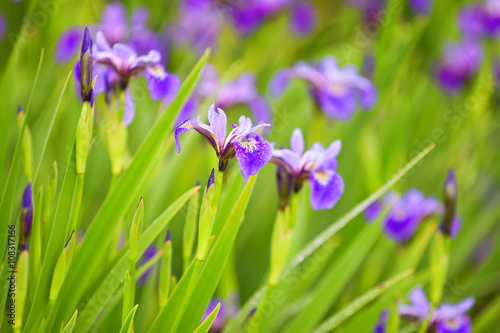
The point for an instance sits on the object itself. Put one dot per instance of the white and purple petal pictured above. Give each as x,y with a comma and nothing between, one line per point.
327,187
161,83
252,154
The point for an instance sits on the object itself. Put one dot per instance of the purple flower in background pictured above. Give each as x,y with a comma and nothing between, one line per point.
221,318
421,6
373,211
382,322
451,220
26,218
480,19
318,165
444,319
114,25
406,214
248,15
460,62
241,90
149,253
337,91
3,26
117,64
199,24
244,142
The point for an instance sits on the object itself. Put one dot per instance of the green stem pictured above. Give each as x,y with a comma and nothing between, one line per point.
132,284
218,190
77,200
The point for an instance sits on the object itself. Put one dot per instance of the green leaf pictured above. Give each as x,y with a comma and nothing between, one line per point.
334,280
93,249
210,272
129,322
112,281
353,307
439,265
71,323
127,297
315,244
207,323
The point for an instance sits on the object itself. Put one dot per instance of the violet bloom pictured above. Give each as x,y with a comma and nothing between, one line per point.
421,6
460,63
451,220
371,9
149,253
337,91
26,218
373,211
446,318
115,27
382,322
242,90
3,26
248,15
119,63
406,214
318,165
251,150
199,23
479,19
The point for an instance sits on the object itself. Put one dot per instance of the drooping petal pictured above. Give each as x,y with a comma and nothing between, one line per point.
368,96
192,123
401,222
280,82
252,154
288,159
340,107
129,112
297,141
161,83
417,297
303,18
459,324
327,187
67,45
448,311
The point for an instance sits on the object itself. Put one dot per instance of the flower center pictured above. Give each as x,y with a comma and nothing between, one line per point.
249,145
158,71
337,88
323,177
453,323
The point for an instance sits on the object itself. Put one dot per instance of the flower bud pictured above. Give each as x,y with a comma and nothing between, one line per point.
86,64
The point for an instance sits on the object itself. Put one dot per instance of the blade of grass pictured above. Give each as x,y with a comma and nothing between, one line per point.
129,322
353,307
207,323
71,324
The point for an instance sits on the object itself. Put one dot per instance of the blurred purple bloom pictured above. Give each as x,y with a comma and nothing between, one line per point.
445,319
382,322
406,214
251,150
117,64
149,253
303,18
318,165
373,211
421,6
3,26
460,62
242,90
337,91
116,29
221,318
480,19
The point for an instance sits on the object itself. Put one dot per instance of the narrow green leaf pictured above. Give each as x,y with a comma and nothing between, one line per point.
439,265
211,271
127,297
35,246
207,323
353,307
189,233
128,325
92,249
71,323
113,280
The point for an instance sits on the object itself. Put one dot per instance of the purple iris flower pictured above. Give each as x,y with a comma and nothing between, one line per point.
249,15
199,23
114,25
460,62
318,165
371,9
149,253
241,90
421,6
480,19
447,318
251,150
337,91
373,211
3,26
117,64
382,322
26,219
406,214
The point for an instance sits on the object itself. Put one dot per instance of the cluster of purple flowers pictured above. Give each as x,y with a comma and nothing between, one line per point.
407,212
338,92
446,318
372,9
201,21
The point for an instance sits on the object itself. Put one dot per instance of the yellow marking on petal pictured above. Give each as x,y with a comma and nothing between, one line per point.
249,145
323,177
337,88
187,126
158,71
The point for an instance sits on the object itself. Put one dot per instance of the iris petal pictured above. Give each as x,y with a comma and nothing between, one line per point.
327,187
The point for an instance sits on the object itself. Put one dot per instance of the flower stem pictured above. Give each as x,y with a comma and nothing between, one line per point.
77,200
